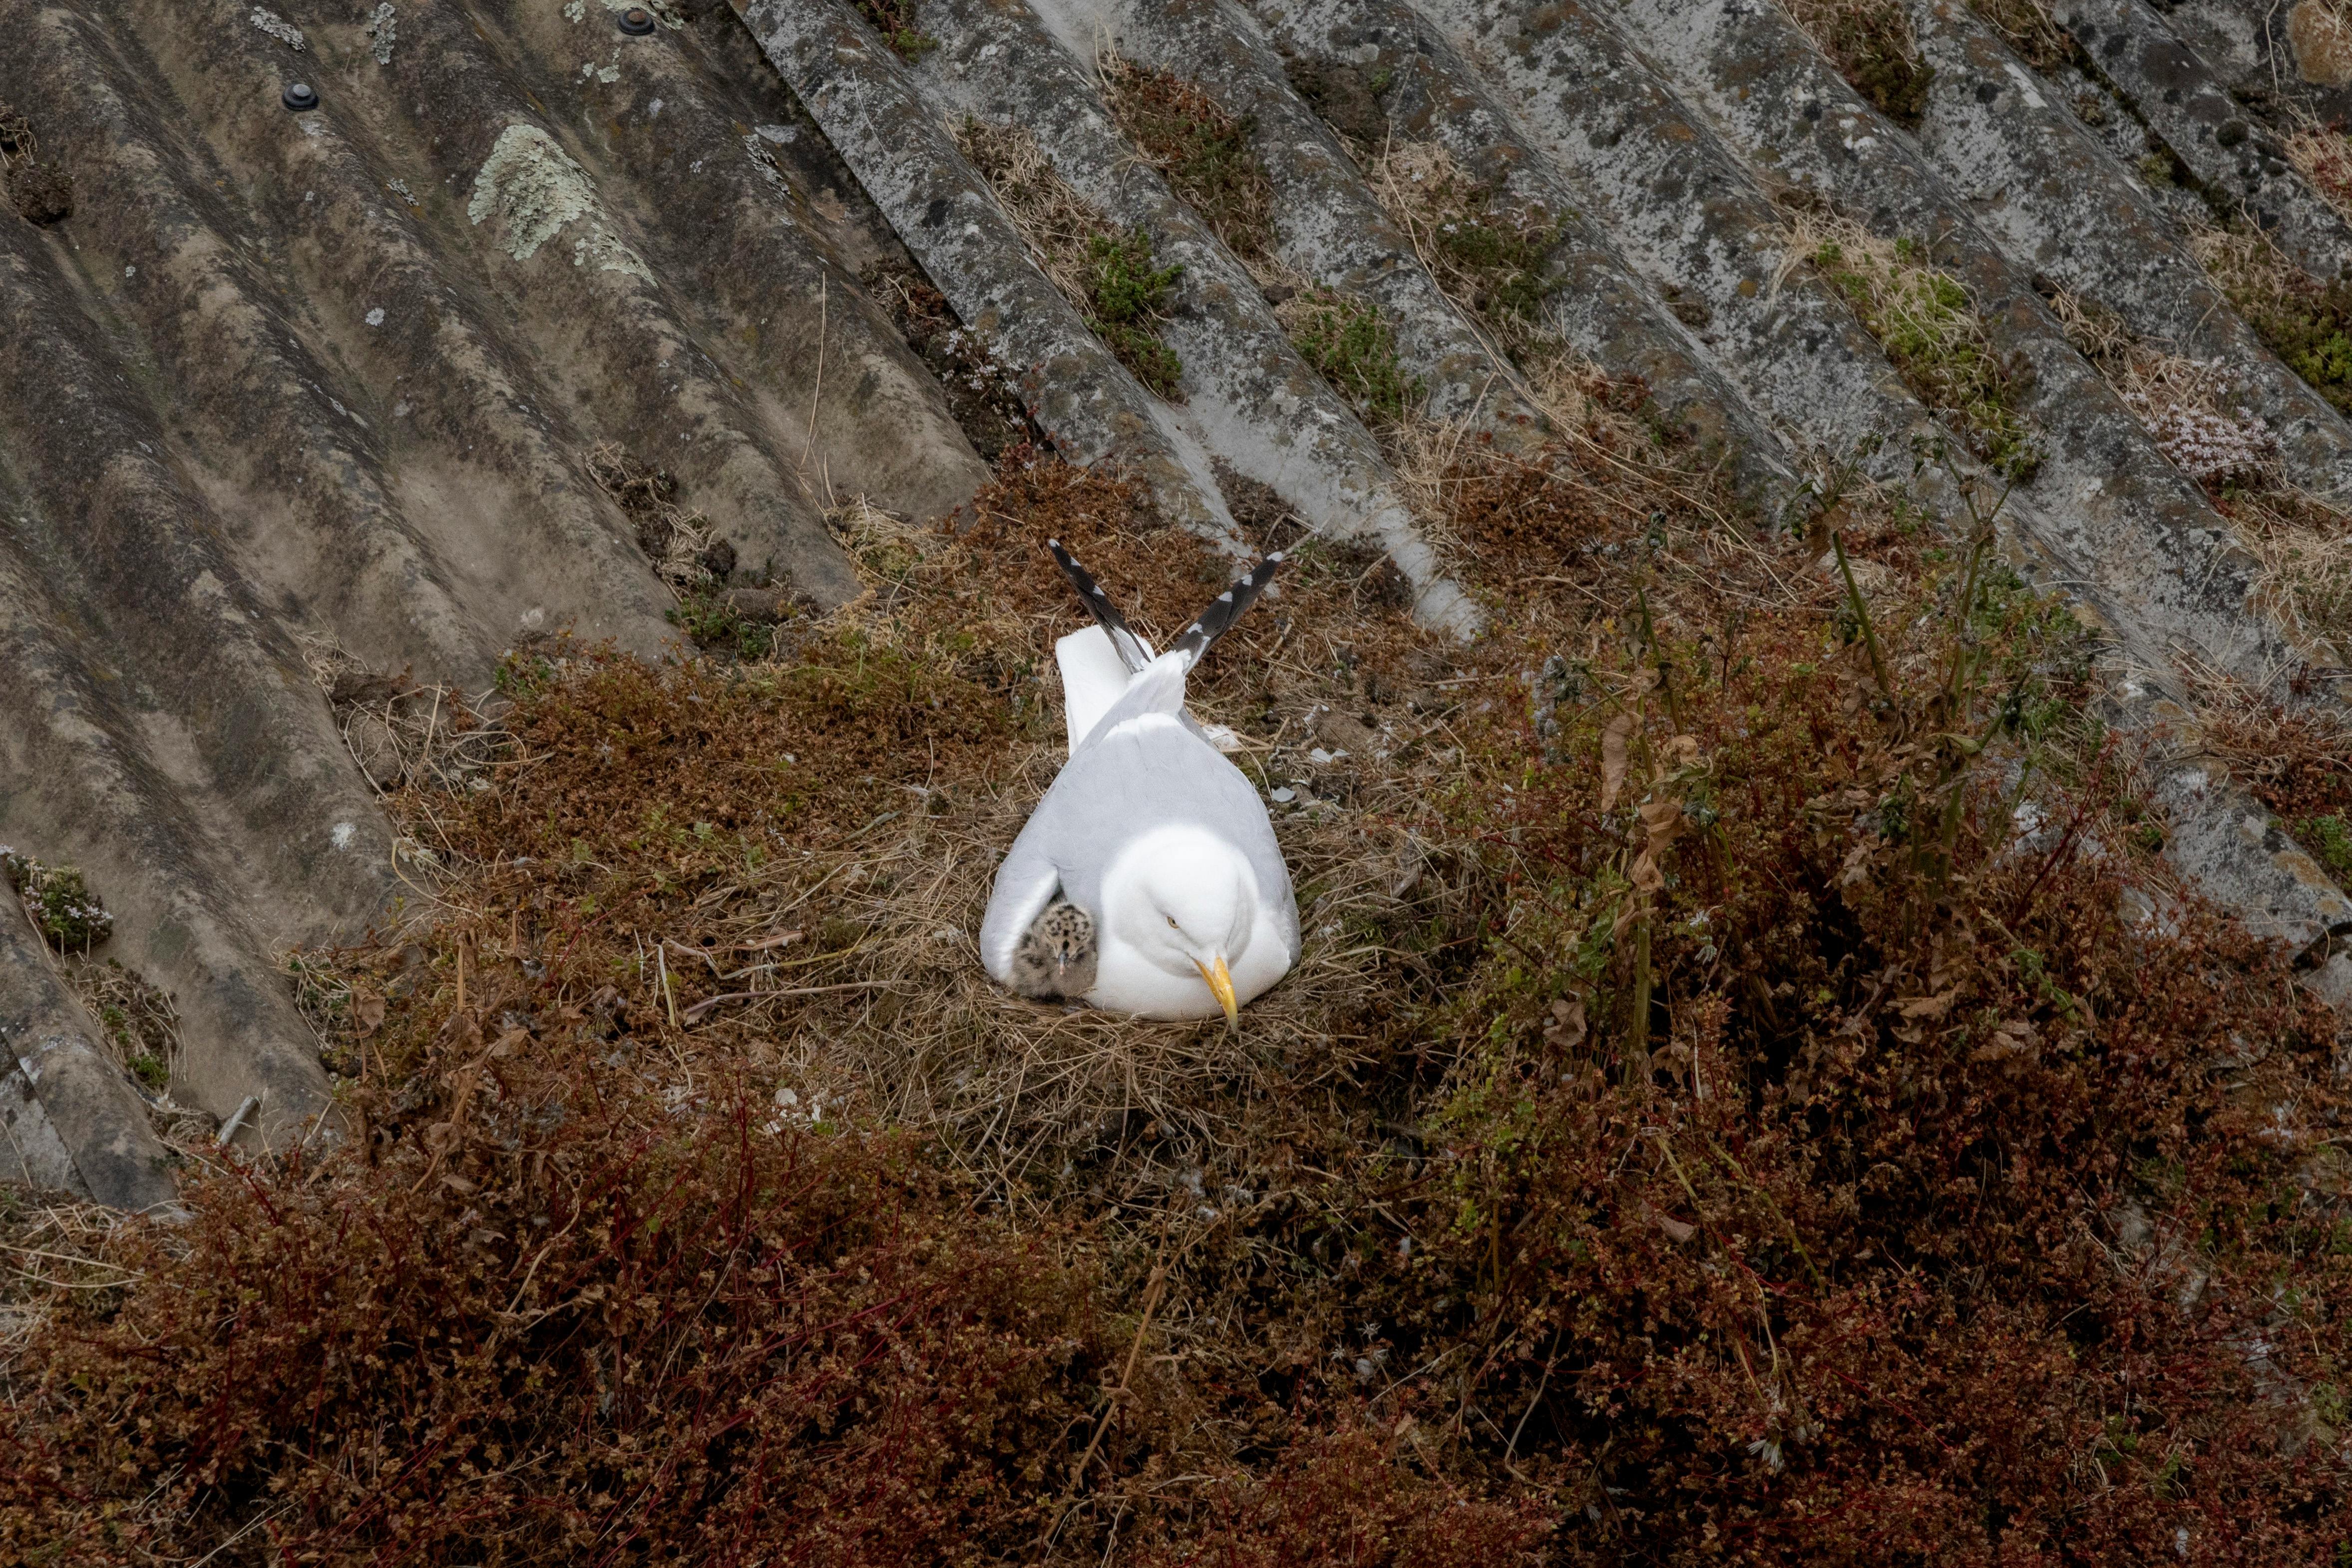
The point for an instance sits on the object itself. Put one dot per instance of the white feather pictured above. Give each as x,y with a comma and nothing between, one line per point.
1092,678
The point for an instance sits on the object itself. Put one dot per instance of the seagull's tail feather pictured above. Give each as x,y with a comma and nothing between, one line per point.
1132,652
1225,610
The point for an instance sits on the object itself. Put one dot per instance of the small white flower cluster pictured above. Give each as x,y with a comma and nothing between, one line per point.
59,903
2182,410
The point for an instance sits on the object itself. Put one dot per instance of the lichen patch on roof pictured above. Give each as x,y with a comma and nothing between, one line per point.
535,188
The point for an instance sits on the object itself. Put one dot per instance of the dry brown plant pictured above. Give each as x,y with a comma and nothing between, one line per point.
674,538
1050,215
1202,151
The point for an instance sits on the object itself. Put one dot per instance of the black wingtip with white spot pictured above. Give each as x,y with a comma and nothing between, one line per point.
1227,608
1090,594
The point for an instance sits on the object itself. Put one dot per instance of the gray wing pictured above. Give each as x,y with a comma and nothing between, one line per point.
1024,886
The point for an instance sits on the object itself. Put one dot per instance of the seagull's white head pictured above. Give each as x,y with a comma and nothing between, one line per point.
1187,900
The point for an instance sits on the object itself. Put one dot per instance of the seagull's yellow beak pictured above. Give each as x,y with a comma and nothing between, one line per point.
1221,985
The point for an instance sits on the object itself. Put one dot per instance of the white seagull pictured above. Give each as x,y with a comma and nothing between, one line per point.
1147,880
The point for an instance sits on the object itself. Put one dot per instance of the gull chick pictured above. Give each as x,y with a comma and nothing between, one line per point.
1149,877
1054,958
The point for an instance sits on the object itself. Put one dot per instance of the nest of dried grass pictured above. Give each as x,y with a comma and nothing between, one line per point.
842,957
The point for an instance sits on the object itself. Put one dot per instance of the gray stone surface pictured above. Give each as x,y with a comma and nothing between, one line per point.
892,134
69,1120
1597,305
1327,223
2230,150
2058,201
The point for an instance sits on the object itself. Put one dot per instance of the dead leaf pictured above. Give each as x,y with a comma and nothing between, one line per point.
1929,1007
506,1044
1684,749
1665,820
1645,873
1613,737
2015,1038
463,1031
367,1011
1567,1026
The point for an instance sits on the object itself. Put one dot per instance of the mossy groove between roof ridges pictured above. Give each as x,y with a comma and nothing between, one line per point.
2183,100
1599,306
1329,226
1249,397
1687,214
2066,208
877,117
2119,525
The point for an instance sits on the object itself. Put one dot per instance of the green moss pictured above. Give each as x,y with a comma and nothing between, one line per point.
1928,326
1203,152
717,625
1129,295
1873,46
1355,348
1505,258
1896,84
2307,324
2309,327
2329,840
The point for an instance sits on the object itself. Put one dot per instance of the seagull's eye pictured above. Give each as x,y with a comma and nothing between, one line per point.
1172,922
